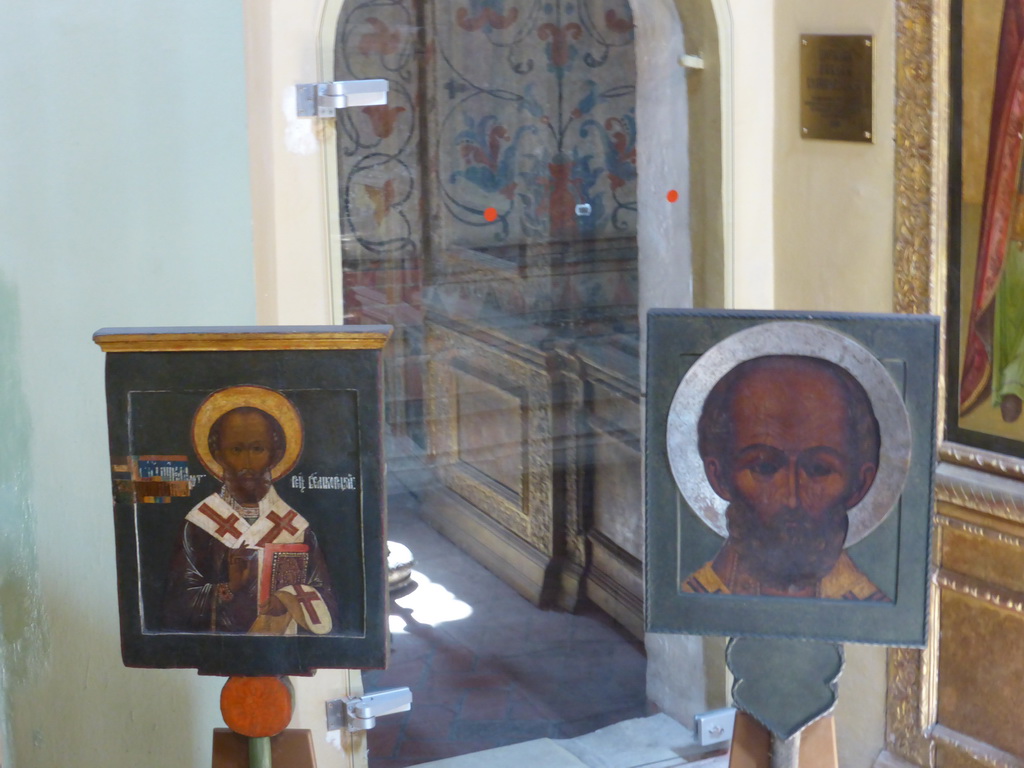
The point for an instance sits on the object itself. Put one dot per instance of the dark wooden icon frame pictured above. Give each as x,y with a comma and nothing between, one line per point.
155,381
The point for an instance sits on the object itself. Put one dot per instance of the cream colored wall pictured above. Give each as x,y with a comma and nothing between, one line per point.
290,158
125,201
833,200
833,251
750,278
708,159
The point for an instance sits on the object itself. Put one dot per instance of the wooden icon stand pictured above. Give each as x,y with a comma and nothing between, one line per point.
752,744
257,710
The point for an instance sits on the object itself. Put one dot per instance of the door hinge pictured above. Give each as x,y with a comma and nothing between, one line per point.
361,713
322,99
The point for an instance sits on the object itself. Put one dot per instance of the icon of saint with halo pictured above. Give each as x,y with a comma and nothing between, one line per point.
246,562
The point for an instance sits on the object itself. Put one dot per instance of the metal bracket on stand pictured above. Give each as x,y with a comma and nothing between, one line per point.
361,713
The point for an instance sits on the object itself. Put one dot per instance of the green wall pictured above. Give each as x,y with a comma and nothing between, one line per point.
124,201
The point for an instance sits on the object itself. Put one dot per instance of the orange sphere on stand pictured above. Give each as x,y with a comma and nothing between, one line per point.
257,706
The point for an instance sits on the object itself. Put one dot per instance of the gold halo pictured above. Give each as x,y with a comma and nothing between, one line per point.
248,396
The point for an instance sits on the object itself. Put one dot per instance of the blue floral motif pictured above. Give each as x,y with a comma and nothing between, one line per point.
490,154
585,180
618,137
535,143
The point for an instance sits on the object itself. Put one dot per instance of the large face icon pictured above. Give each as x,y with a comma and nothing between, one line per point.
777,403
797,503
792,458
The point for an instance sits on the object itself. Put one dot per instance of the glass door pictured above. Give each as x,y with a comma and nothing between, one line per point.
488,212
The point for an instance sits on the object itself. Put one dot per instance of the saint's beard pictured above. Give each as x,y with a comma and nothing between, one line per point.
247,486
792,550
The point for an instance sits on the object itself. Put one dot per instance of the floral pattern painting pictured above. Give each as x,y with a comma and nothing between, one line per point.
499,181
535,120
378,146
525,112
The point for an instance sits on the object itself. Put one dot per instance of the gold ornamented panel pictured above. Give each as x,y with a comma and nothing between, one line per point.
985,554
260,338
938,711
573,392
921,26
980,516
980,699
953,704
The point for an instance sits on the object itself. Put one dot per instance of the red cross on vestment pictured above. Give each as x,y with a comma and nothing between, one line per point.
280,524
306,599
225,525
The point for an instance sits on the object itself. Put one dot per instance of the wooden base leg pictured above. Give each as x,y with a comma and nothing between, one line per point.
292,748
818,744
259,752
752,744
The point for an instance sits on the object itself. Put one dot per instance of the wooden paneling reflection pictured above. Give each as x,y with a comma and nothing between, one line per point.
489,424
603,389
618,511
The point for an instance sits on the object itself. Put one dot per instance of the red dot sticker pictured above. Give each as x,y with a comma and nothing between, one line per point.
491,214
672,196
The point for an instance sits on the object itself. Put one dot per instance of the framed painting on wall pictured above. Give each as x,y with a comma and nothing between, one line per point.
985,321
248,488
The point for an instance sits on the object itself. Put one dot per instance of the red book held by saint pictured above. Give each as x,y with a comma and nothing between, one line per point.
282,565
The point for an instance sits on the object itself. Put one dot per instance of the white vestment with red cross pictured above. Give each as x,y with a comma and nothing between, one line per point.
277,524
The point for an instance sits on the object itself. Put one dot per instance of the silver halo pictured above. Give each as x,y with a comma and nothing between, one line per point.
790,338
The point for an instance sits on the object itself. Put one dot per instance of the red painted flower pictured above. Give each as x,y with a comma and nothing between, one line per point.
382,41
616,24
383,119
475,154
560,37
485,17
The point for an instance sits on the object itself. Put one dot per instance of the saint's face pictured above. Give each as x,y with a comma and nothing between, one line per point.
246,452
790,461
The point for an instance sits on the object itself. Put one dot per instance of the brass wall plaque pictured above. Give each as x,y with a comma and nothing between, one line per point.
835,87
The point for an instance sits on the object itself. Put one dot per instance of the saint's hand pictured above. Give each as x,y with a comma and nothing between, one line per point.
273,607
241,569
1010,408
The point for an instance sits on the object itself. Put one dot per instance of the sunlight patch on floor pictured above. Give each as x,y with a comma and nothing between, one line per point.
430,603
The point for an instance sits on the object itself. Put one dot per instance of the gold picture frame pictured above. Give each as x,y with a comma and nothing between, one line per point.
919,198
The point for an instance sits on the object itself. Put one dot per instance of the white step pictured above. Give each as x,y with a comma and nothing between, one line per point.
657,741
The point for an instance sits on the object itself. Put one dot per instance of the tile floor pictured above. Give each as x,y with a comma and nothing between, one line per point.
486,668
